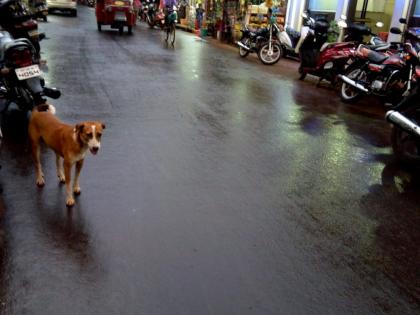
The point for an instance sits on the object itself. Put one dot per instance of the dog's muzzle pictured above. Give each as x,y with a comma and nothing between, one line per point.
94,150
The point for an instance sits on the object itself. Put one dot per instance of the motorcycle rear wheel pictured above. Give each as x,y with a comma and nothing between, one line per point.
350,94
270,58
406,147
243,52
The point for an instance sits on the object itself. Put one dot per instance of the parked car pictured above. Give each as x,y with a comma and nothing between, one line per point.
63,5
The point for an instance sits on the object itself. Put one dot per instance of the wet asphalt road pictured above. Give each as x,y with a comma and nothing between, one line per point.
222,187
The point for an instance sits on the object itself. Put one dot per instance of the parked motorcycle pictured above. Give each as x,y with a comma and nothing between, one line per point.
17,20
405,118
328,60
384,74
153,15
264,42
21,82
143,10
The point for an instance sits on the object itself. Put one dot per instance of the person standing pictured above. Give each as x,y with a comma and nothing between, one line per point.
199,13
136,7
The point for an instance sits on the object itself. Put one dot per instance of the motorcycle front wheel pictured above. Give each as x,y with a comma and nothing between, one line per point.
150,22
270,56
406,147
242,51
350,94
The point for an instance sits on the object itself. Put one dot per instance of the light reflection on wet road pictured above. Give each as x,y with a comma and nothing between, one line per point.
222,187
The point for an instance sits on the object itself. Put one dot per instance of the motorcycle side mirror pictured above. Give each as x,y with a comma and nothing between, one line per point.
403,21
379,24
395,30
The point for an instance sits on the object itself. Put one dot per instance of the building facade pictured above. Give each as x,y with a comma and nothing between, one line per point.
362,11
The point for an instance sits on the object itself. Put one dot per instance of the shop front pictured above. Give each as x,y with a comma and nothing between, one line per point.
361,11
223,19
414,19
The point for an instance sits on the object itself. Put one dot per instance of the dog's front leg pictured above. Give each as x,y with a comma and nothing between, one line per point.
76,186
67,173
37,160
60,173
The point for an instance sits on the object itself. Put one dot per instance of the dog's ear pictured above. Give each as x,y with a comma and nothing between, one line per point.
103,125
79,128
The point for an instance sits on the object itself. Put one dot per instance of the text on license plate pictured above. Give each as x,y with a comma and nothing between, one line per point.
28,72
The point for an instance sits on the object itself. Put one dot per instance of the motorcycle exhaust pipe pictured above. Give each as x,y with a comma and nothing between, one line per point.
353,83
243,46
52,92
399,120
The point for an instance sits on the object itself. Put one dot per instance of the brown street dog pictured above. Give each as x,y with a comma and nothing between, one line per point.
68,142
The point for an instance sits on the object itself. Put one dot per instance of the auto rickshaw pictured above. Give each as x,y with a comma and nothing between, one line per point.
116,13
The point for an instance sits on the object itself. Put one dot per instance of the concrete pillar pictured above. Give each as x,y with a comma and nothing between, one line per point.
400,10
342,8
293,14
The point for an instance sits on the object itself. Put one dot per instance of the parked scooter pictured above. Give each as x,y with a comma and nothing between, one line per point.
17,20
405,118
328,60
264,42
21,82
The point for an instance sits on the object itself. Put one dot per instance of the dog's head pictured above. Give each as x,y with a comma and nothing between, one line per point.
90,133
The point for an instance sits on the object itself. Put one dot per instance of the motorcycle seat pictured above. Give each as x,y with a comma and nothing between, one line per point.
292,33
378,44
258,32
376,57
379,47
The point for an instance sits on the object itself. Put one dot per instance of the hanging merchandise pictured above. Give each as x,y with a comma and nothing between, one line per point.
256,14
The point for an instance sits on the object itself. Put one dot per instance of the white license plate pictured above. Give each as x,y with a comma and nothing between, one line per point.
28,72
33,33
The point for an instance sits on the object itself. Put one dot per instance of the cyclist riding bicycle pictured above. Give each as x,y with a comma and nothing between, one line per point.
168,7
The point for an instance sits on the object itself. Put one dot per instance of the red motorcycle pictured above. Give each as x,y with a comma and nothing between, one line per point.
387,75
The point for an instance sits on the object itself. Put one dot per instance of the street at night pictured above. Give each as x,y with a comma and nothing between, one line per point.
222,186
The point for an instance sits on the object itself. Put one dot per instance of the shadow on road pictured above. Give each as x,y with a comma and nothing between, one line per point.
393,204
322,109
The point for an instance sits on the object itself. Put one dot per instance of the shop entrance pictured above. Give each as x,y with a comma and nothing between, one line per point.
414,20
371,11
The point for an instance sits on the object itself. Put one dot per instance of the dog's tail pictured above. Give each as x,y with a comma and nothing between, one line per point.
46,108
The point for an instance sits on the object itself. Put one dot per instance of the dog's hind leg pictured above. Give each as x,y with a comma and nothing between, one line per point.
76,186
67,174
59,165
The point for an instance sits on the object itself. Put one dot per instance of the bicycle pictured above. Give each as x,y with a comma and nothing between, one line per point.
170,21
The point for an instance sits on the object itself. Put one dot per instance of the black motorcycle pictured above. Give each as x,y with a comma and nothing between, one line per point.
18,21
405,118
21,84
263,41
151,8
